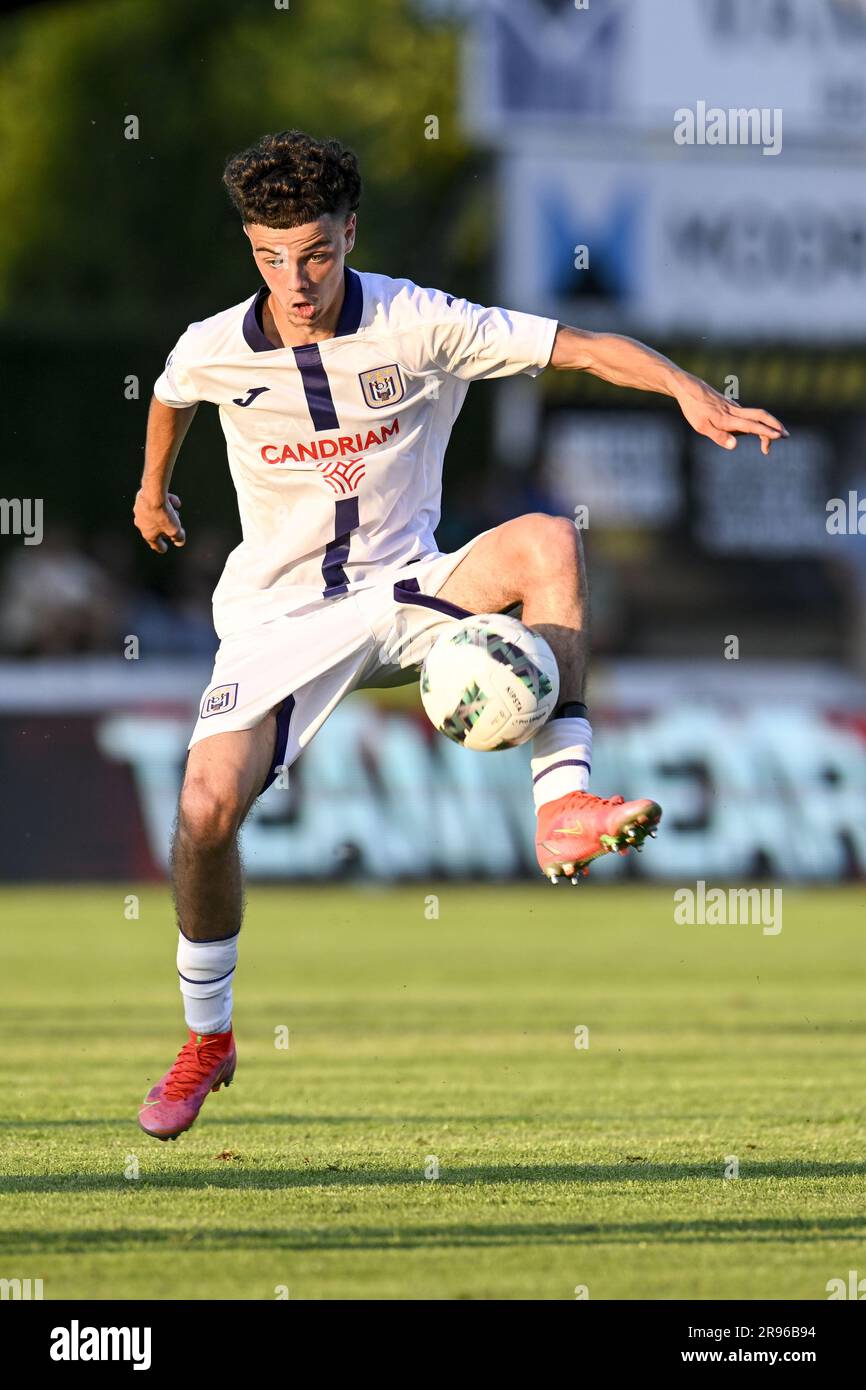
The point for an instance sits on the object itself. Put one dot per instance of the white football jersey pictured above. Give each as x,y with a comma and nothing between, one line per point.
336,448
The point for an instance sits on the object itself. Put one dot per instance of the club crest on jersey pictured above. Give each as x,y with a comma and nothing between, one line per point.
382,386
219,700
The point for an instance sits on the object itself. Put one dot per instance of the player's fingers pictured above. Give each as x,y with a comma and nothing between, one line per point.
174,500
743,424
719,436
158,545
763,417
172,528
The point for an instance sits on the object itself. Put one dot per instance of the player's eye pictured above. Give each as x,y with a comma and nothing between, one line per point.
319,256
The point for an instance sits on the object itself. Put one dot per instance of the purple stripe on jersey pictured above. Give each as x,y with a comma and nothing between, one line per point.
337,550
409,591
353,304
254,333
316,387
348,322
566,762
281,741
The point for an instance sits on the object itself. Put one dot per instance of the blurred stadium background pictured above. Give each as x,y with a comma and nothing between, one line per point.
496,140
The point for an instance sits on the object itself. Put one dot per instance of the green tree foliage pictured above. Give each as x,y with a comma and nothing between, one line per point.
99,232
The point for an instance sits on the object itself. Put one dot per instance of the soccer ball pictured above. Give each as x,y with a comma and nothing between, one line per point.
489,682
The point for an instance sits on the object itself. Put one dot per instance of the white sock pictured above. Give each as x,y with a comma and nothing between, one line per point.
206,970
561,759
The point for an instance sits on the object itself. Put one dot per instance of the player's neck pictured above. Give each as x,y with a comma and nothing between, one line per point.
282,333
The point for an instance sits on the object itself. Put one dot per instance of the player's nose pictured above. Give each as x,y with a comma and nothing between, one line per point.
294,278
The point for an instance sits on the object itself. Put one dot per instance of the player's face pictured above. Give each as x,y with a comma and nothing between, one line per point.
303,266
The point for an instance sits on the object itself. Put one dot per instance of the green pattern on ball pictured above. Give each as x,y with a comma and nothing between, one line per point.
508,654
465,715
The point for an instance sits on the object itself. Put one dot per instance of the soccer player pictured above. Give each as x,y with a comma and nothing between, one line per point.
337,392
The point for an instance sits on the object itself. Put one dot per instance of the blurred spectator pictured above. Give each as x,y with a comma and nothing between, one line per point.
54,599
176,623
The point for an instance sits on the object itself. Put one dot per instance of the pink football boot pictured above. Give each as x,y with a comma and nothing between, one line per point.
580,827
205,1062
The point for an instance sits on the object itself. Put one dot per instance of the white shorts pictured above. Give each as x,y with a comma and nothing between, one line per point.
303,665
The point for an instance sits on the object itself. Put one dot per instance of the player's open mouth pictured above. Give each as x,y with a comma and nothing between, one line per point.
305,309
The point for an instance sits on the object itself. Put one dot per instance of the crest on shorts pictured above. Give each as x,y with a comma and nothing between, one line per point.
382,386
219,700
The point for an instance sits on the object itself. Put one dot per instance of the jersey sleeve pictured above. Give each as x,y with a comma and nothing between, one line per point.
472,342
176,386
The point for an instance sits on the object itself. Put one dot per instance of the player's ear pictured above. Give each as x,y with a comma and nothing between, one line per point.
351,227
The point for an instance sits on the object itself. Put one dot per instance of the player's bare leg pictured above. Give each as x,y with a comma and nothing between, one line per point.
223,777
537,560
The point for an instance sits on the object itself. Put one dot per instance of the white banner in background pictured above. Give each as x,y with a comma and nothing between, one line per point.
684,245
539,68
769,788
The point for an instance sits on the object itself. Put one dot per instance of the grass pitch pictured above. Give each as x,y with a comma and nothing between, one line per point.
415,1043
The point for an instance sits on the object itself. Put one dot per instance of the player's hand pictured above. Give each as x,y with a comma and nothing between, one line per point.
712,414
158,520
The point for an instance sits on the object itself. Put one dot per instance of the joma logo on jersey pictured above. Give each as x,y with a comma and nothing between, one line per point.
252,393
219,700
382,386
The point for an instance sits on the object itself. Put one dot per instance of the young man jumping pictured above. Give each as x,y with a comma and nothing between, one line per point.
337,391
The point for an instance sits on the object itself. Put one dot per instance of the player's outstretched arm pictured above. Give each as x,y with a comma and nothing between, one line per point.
626,362
156,509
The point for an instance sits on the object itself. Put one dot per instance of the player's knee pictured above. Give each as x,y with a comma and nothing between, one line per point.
550,545
208,819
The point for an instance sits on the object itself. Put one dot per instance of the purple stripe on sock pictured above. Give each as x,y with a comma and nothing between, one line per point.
214,981
566,762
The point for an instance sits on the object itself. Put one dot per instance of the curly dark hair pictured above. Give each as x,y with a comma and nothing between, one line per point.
287,179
